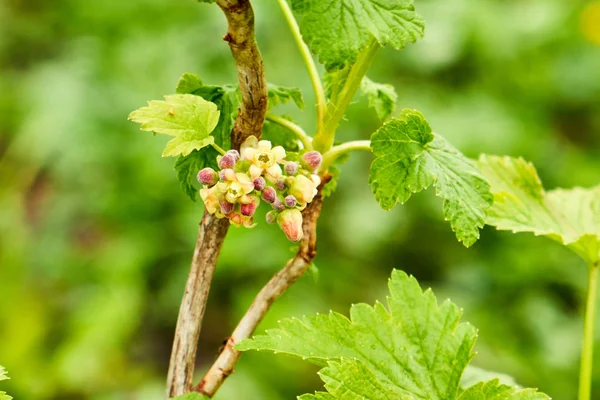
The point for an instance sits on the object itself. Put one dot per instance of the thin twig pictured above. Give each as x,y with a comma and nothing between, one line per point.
294,269
253,86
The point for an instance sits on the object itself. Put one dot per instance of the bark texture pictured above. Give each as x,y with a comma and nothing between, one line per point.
253,86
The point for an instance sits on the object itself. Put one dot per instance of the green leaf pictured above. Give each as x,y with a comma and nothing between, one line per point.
187,169
381,97
282,95
337,30
280,136
188,83
571,217
474,375
414,346
414,349
191,396
3,377
493,390
225,98
331,186
190,119
410,158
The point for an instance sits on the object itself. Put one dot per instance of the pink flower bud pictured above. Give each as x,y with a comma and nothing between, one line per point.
278,205
271,217
291,168
259,183
280,184
269,195
249,209
226,207
227,161
208,176
290,201
234,153
290,221
312,160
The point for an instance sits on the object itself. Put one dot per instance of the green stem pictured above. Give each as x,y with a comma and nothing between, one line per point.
335,111
587,352
218,148
292,127
337,151
313,72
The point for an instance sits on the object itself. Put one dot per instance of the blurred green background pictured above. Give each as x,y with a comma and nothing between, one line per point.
96,237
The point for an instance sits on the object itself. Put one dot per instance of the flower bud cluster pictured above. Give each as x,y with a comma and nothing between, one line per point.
261,172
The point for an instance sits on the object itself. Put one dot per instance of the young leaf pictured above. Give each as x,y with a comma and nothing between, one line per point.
224,97
382,97
493,390
331,186
337,30
187,169
282,95
190,119
188,83
413,350
410,158
571,217
3,377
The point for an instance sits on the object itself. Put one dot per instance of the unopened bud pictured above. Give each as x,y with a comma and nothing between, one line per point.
208,176
278,204
290,221
271,217
259,183
234,153
227,161
312,160
226,207
280,184
269,195
291,168
249,209
290,201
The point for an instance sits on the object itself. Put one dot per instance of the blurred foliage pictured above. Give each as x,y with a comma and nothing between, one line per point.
96,236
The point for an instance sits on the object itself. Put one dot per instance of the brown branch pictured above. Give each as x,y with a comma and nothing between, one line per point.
253,86
294,269
181,367
250,69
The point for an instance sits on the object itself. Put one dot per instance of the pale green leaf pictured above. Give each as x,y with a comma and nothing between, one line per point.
282,95
571,217
337,30
414,347
330,187
224,97
475,375
188,83
381,97
410,158
494,390
189,118
3,377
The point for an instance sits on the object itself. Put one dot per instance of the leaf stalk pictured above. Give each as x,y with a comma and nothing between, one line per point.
587,351
313,72
337,151
292,127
